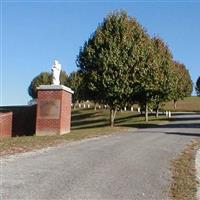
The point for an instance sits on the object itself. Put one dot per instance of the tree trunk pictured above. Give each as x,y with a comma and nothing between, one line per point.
175,104
95,106
146,113
112,116
157,111
74,106
76,103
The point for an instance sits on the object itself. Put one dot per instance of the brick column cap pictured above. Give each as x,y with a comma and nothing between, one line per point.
55,87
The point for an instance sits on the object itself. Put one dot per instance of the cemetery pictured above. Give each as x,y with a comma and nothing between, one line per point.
128,87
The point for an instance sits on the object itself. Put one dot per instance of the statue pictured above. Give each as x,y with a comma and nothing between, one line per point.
56,72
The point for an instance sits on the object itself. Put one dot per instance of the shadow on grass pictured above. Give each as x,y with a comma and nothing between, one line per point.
82,116
169,125
88,123
119,120
90,126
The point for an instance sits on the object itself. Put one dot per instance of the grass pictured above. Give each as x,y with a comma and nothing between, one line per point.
86,123
184,185
188,104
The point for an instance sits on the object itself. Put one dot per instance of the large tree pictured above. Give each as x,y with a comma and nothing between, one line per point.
146,78
108,60
164,75
44,78
153,77
183,83
197,87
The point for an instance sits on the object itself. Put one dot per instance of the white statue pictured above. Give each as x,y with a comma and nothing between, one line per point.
56,72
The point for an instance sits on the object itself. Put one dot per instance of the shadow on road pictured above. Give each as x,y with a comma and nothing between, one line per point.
184,134
179,121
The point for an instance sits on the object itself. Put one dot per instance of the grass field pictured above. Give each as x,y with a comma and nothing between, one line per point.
188,104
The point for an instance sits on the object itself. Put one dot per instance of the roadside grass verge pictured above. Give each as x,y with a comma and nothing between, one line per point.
86,123
184,185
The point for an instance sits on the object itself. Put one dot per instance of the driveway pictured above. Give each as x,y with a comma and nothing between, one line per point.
133,165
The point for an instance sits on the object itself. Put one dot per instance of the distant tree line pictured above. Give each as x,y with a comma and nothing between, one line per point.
121,64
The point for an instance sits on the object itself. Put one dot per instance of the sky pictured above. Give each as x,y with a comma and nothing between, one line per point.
35,33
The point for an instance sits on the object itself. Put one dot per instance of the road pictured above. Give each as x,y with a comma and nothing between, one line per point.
133,165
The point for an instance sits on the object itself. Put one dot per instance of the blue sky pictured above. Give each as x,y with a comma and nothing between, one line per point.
34,33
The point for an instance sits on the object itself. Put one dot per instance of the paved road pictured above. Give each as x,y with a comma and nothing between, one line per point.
132,166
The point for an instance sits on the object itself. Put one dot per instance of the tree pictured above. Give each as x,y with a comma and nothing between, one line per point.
63,78
197,87
75,83
153,84
183,83
164,85
107,60
44,78
146,76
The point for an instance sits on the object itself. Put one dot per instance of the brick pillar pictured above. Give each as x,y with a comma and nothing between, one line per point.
53,110
6,124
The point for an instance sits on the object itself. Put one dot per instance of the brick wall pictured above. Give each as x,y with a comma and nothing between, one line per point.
24,119
6,124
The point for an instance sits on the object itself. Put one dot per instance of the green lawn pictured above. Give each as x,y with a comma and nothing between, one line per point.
188,104
86,123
